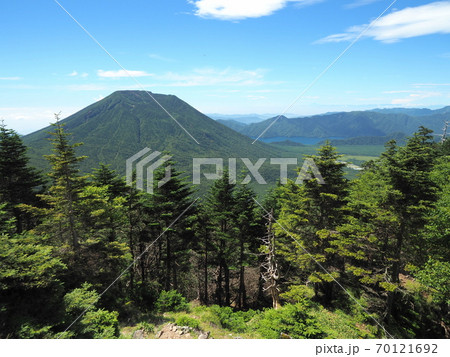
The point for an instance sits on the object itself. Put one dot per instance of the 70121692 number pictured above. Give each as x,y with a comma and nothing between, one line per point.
407,348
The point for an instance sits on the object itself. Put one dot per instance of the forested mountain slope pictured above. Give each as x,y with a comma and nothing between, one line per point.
125,122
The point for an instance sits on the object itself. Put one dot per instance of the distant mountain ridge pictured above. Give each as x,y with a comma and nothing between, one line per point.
376,123
232,124
240,118
413,111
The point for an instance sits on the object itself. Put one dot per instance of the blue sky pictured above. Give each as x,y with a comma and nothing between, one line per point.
222,56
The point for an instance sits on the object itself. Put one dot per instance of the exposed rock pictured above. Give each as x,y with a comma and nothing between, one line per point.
172,331
138,334
203,335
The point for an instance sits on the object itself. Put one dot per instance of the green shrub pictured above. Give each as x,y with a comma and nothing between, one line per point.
338,324
95,323
78,300
298,294
187,321
292,320
100,324
234,321
145,326
171,301
206,315
28,330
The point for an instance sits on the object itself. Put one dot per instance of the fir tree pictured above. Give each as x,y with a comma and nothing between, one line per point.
30,283
221,207
169,201
247,232
389,208
311,213
18,181
104,176
63,195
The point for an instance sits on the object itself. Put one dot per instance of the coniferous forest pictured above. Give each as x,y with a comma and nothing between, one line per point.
86,256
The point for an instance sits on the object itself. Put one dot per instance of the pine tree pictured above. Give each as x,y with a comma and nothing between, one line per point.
138,223
325,201
18,181
437,229
365,240
29,281
103,252
203,250
104,176
221,207
63,195
414,193
311,213
247,232
389,208
112,219
169,201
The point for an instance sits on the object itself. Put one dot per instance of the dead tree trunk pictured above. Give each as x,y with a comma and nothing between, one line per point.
269,266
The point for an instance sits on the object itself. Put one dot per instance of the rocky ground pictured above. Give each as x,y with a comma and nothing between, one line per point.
172,331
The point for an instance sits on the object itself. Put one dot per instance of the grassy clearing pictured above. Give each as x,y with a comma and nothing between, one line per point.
359,152
252,325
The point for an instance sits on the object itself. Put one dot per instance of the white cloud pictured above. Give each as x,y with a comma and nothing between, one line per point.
359,3
255,97
160,58
122,73
431,84
76,74
242,9
410,22
213,77
413,97
25,120
10,78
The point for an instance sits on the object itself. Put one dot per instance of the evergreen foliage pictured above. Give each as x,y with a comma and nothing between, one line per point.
19,182
90,252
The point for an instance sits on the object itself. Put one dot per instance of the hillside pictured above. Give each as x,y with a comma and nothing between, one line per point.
240,118
413,111
347,124
125,122
232,124
368,140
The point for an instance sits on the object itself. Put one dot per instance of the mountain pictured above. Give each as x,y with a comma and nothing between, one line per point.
232,124
286,143
348,125
241,118
120,125
415,112
445,110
